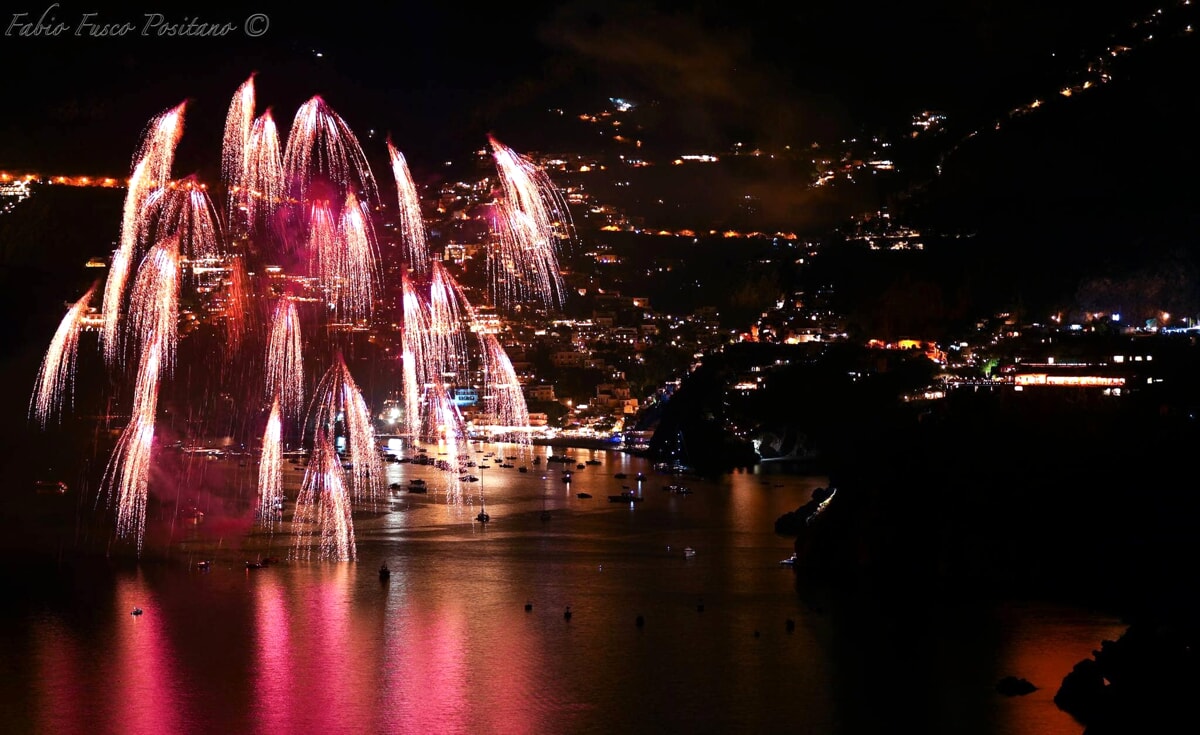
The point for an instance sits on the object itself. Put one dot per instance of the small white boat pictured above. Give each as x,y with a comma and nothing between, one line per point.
790,561
136,611
688,552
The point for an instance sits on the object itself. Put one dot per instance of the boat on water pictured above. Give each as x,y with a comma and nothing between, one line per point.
136,611
416,482
625,497
620,476
384,572
790,561
483,517
583,496
205,564
593,462
522,469
688,552
679,489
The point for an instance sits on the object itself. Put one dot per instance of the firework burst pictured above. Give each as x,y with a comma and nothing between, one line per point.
262,180
285,363
126,477
56,377
356,264
238,123
412,226
183,210
449,313
154,302
339,408
544,219
321,147
502,391
415,350
322,524
443,424
151,170
270,469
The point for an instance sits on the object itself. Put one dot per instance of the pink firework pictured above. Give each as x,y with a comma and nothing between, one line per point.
285,363
450,314
337,409
503,397
412,225
270,469
544,220
324,244
445,427
262,180
238,122
357,266
323,525
520,268
322,148
238,317
126,477
154,302
56,376
151,170
183,210
415,350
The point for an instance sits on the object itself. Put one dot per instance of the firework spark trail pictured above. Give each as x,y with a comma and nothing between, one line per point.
238,316
338,399
323,509
262,179
270,469
324,247
449,314
183,209
154,302
154,320
126,477
529,190
321,147
152,170
238,123
502,390
412,226
519,267
444,426
285,363
56,377
414,352
357,265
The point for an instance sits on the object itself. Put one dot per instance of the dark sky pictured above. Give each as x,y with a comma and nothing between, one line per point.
438,76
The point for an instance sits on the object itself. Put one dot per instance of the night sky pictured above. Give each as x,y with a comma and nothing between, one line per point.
437,77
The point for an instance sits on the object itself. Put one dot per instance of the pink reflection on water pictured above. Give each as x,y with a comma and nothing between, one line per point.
429,663
144,686
61,694
311,651
272,696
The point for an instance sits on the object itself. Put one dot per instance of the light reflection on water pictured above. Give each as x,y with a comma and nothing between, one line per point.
446,644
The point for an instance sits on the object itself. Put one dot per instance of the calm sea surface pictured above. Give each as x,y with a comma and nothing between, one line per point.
446,645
